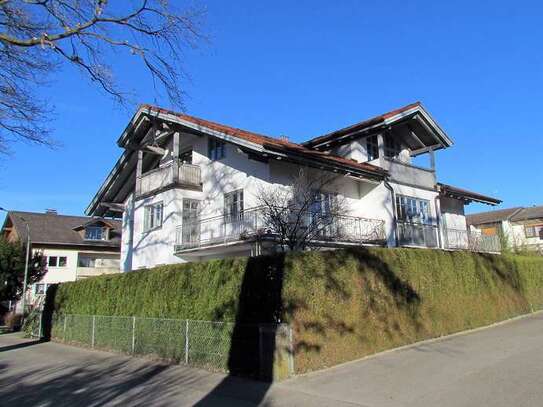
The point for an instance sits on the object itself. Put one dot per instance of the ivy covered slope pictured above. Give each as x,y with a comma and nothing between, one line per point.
342,304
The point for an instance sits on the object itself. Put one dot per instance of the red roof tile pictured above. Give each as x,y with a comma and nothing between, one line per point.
360,126
270,142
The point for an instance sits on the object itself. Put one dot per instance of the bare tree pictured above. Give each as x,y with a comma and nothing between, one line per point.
38,36
305,211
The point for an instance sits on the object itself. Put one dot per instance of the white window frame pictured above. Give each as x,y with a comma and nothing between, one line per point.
410,209
39,285
90,236
233,206
153,215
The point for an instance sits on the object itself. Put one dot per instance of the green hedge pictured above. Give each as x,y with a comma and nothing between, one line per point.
343,304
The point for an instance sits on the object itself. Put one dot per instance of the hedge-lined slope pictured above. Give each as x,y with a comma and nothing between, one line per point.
342,304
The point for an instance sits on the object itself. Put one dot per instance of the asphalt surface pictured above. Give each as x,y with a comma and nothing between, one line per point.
498,366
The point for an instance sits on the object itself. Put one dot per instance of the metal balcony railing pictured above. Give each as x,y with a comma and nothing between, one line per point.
417,234
252,222
461,239
189,175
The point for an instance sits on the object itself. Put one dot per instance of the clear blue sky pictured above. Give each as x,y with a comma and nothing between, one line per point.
307,67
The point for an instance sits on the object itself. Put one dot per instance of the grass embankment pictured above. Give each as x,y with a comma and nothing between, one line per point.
343,304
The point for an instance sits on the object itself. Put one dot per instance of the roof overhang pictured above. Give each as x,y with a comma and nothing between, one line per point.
114,189
466,196
414,119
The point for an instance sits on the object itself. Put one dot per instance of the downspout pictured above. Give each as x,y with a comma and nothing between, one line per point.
394,221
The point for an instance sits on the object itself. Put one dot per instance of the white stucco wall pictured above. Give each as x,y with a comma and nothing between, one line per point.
236,171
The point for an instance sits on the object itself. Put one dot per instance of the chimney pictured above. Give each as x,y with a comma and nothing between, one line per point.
51,211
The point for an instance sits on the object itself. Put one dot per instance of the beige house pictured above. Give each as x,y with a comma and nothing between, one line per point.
522,228
75,247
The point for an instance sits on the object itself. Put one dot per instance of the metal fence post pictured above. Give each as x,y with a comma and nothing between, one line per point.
187,342
93,326
133,334
64,332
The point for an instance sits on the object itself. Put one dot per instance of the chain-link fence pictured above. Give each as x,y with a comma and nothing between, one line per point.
262,350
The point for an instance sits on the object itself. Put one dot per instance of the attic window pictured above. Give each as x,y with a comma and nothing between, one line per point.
392,147
94,233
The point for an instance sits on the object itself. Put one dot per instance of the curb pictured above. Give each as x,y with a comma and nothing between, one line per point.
419,343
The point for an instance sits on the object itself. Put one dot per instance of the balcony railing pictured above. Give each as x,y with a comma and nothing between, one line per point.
189,175
85,272
461,239
417,234
252,222
410,174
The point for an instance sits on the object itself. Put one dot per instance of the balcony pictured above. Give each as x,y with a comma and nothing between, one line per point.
410,174
85,272
418,235
461,239
189,176
251,224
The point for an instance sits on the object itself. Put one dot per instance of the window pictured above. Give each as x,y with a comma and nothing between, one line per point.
53,261
372,147
94,233
86,262
215,149
322,204
152,216
392,147
233,206
62,260
534,231
191,226
39,289
412,210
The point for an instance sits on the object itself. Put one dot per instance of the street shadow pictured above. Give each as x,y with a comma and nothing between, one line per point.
21,345
253,340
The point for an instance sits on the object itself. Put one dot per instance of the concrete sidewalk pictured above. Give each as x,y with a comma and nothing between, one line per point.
499,366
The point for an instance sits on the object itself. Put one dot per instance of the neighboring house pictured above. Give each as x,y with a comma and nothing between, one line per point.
521,227
187,188
75,247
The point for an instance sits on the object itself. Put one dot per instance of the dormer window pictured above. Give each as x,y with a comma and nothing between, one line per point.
95,233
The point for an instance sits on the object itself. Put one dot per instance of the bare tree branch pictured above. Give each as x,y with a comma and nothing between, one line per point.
37,36
304,211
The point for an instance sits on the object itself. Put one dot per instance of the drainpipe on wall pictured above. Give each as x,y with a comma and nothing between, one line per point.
394,221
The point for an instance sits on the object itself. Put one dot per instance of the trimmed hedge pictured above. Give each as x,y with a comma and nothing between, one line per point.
342,304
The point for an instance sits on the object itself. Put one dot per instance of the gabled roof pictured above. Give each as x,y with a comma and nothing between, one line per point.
412,111
468,196
532,212
94,221
53,229
266,142
491,216
248,141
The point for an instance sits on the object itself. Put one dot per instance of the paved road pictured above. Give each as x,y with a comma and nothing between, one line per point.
499,366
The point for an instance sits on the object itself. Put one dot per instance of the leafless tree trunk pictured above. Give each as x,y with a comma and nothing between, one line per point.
38,36
303,212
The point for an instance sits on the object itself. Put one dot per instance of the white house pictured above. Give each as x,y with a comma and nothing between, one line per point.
187,188
75,247
522,228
